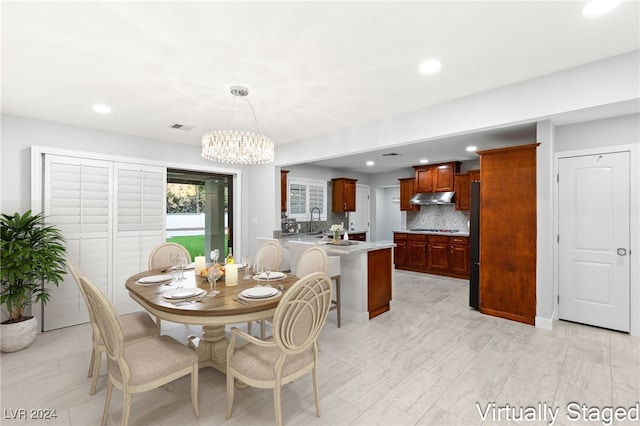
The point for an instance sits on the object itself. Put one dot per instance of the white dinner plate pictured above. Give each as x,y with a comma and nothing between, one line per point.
259,292
183,293
275,275
155,279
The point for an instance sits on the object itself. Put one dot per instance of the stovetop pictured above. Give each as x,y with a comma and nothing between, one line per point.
449,231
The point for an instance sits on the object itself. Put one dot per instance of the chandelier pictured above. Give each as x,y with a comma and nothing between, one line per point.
236,147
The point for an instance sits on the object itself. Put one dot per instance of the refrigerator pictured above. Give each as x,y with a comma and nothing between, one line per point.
474,246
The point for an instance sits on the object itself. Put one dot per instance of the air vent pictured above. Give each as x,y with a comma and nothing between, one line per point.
390,154
179,126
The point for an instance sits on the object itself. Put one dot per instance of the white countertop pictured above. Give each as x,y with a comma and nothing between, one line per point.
359,246
452,234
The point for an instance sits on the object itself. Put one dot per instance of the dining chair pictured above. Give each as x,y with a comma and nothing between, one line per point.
271,253
293,350
135,326
314,259
160,256
140,366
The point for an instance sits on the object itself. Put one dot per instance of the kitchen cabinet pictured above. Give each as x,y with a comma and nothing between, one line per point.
283,190
474,175
462,186
378,281
433,254
459,255
436,177
344,195
508,233
407,190
400,250
358,236
437,253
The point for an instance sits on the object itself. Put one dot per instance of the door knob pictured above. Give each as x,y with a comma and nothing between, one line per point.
622,251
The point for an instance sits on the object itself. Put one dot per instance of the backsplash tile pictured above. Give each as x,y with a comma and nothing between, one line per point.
439,217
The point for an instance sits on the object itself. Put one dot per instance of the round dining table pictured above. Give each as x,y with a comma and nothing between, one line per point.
212,313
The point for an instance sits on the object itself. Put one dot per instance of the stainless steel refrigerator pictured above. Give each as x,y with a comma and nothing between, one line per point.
474,246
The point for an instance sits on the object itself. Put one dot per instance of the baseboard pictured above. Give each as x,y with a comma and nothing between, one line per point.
544,323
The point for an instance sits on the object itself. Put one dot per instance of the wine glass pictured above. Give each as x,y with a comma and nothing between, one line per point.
267,272
182,263
246,261
173,258
212,276
257,269
215,255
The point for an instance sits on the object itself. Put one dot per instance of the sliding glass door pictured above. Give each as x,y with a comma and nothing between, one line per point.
199,211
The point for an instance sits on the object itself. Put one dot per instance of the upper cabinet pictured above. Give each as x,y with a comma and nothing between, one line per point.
344,195
283,190
436,177
462,185
407,190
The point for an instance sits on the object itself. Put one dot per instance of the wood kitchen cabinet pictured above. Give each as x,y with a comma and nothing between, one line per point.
508,233
459,255
417,251
407,191
400,250
437,253
378,281
436,177
344,195
283,190
462,185
358,236
474,175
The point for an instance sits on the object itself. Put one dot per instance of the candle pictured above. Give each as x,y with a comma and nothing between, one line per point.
200,264
231,274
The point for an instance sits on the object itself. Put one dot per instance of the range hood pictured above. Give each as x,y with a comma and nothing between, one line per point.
429,198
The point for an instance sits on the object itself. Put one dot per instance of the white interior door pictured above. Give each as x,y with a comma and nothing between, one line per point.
593,222
359,220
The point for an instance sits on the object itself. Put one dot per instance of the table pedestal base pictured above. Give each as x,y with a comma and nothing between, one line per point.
212,347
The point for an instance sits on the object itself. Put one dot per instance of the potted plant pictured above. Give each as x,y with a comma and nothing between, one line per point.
32,255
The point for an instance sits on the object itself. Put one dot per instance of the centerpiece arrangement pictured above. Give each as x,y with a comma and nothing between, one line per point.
336,229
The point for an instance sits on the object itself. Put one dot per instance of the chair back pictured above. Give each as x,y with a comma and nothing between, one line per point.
301,313
160,256
76,273
312,260
271,253
106,319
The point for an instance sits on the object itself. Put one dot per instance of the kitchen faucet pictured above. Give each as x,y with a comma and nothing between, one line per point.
311,218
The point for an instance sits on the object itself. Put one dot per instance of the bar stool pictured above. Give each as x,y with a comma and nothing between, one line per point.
333,270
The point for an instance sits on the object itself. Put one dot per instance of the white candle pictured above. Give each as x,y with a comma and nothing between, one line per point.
231,274
200,264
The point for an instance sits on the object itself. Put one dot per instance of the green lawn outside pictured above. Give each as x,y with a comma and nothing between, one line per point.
193,243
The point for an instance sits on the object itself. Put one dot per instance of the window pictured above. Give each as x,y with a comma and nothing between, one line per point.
305,195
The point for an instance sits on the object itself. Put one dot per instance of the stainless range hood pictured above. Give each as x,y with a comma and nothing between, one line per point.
429,198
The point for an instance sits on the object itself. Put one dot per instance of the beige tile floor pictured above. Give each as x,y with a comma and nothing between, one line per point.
429,361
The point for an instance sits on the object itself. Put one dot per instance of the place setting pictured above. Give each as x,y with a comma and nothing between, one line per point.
180,296
259,293
152,280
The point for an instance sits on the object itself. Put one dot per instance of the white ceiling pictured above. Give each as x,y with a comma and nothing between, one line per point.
311,67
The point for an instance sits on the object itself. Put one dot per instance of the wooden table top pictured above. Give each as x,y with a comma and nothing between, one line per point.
222,305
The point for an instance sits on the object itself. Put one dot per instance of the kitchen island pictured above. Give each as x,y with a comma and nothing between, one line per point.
365,274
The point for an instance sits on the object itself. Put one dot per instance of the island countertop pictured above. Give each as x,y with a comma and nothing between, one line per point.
341,248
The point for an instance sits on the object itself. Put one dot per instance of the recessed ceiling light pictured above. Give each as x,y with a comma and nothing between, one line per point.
370,163
472,148
430,66
424,161
599,7
102,109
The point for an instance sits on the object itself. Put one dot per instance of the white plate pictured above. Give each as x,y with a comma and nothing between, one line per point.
183,293
155,279
259,292
275,275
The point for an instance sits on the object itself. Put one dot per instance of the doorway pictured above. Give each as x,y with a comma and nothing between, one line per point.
200,211
594,240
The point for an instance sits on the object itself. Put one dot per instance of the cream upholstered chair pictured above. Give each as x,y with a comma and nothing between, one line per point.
314,259
271,253
135,326
160,256
292,353
140,366
296,249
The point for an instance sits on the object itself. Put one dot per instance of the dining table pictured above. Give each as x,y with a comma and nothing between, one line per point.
185,302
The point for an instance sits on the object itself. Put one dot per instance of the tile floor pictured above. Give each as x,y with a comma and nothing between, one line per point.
429,361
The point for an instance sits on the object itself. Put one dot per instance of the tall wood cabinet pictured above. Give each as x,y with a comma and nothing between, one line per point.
344,195
283,190
508,233
407,191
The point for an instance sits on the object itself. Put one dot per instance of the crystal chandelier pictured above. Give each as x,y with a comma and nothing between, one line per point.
226,146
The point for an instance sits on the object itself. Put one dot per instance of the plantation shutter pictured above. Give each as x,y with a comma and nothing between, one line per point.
139,224
77,199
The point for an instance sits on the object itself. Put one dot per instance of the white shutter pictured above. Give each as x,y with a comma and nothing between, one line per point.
140,210
77,199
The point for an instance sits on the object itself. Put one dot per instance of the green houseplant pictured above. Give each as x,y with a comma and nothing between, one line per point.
32,255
